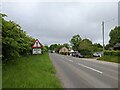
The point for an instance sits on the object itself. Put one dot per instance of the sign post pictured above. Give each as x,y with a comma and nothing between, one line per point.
37,47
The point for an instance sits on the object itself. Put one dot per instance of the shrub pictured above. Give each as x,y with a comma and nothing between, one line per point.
15,41
112,53
85,52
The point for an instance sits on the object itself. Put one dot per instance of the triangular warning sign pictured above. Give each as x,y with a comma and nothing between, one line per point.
37,44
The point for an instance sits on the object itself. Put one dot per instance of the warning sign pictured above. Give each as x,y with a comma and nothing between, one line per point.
37,47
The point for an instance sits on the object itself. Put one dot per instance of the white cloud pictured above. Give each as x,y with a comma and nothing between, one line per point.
57,22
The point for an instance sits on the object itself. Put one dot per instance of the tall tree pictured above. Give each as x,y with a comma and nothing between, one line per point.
53,46
85,47
114,36
85,44
14,40
66,45
75,41
97,47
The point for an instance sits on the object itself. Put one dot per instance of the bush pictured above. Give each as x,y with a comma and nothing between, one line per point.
85,52
15,41
112,53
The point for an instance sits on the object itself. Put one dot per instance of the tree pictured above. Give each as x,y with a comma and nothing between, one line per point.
53,47
66,45
108,47
97,47
85,47
45,48
114,36
15,41
59,46
75,41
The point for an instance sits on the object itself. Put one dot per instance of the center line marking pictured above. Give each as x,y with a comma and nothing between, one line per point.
90,68
70,60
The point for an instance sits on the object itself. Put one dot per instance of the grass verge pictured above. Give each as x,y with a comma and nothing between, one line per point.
109,58
35,71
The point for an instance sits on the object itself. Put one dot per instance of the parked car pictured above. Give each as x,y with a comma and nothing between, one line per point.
77,54
97,54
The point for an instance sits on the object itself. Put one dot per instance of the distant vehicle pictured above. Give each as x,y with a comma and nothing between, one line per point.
97,54
77,54
51,51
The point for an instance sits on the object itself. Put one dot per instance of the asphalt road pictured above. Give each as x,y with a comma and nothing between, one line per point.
85,73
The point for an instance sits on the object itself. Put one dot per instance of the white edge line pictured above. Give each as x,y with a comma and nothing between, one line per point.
90,68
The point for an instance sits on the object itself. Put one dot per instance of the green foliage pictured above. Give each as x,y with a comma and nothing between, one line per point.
85,47
85,52
108,46
66,45
114,36
14,40
112,53
45,48
85,44
57,47
53,47
97,47
75,41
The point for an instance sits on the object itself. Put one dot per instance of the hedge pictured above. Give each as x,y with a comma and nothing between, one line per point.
112,52
15,41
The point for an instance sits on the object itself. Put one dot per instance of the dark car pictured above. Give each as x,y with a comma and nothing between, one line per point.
77,54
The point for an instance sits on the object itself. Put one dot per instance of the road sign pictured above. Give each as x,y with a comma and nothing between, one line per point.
37,47
36,51
37,44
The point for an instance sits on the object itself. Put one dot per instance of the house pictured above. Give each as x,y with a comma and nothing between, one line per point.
116,46
64,51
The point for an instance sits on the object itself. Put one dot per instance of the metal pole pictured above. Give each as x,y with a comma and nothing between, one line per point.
103,35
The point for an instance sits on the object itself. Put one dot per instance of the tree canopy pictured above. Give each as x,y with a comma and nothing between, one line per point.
114,36
15,41
75,41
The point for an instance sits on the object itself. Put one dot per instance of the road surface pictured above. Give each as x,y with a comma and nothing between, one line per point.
85,73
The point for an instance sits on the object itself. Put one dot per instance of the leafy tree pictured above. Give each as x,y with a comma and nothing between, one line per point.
108,46
85,47
85,44
15,41
45,48
114,36
59,46
53,46
75,41
66,45
97,47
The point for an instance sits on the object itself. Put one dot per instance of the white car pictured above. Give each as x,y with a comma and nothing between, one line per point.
97,54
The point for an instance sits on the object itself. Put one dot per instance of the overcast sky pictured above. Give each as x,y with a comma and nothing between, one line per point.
56,22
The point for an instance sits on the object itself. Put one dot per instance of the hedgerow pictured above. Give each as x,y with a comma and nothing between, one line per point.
15,41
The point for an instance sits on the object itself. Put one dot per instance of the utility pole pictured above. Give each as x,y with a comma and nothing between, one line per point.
103,35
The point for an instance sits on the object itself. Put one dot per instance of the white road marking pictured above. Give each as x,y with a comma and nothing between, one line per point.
70,60
90,68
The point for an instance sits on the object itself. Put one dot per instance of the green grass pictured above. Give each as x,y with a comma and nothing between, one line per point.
35,71
109,58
